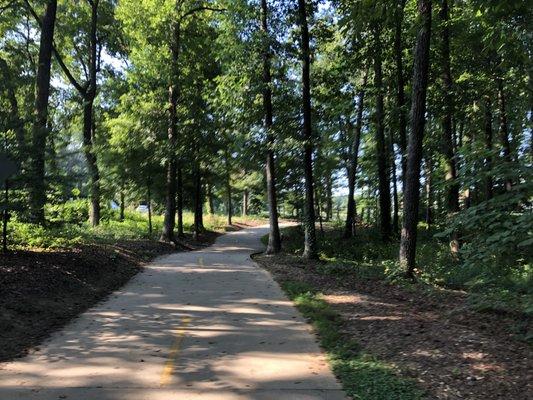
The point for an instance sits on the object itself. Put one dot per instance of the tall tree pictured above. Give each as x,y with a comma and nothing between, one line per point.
349,226
416,135
40,128
310,244
400,83
381,147
452,187
274,240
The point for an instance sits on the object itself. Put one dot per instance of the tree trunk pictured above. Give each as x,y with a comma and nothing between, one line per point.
414,149
429,194
198,203
488,149
172,168
40,129
245,195
210,199
382,164
122,206
274,240
395,202
179,201
504,130
149,192
349,227
329,197
89,127
90,157
400,82
310,244
452,186
229,207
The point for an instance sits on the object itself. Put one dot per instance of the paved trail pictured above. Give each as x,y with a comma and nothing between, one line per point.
202,325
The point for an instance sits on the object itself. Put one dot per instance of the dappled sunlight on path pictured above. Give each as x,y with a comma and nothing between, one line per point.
198,325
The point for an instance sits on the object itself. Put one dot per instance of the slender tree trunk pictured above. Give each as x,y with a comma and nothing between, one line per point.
452,186
179,201
149,192
198,202
274,239
504,130
349,227
170,200
383,168
414,149
329,197
229,205
310,245
90,157
210,199
395,201
172,186
122,206
245,195
40,129
429,194
400,83
89,126
488,149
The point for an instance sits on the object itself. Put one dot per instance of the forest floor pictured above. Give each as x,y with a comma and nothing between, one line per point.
429,336
41,291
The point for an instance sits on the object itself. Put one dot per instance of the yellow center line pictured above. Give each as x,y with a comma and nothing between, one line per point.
201,261
166,376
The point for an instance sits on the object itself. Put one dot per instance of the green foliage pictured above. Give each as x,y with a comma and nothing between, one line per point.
363,376
498,238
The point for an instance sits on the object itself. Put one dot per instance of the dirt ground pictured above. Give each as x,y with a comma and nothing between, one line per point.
432,336
42,291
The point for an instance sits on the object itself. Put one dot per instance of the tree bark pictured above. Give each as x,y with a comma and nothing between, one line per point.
452,186
349,226
381,148
274,239
414,149
40,129
90,156
310,244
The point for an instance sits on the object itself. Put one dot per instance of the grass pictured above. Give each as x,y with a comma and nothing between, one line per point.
56,235
363,377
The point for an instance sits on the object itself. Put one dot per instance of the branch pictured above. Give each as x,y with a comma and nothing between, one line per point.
72,80
201,8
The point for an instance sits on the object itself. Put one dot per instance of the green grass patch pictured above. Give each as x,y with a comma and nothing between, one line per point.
362,376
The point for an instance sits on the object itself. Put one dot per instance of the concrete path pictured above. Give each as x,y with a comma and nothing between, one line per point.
202,325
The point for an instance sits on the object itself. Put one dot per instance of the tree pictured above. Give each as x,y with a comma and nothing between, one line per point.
310,245
40,128
274,240
416,134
